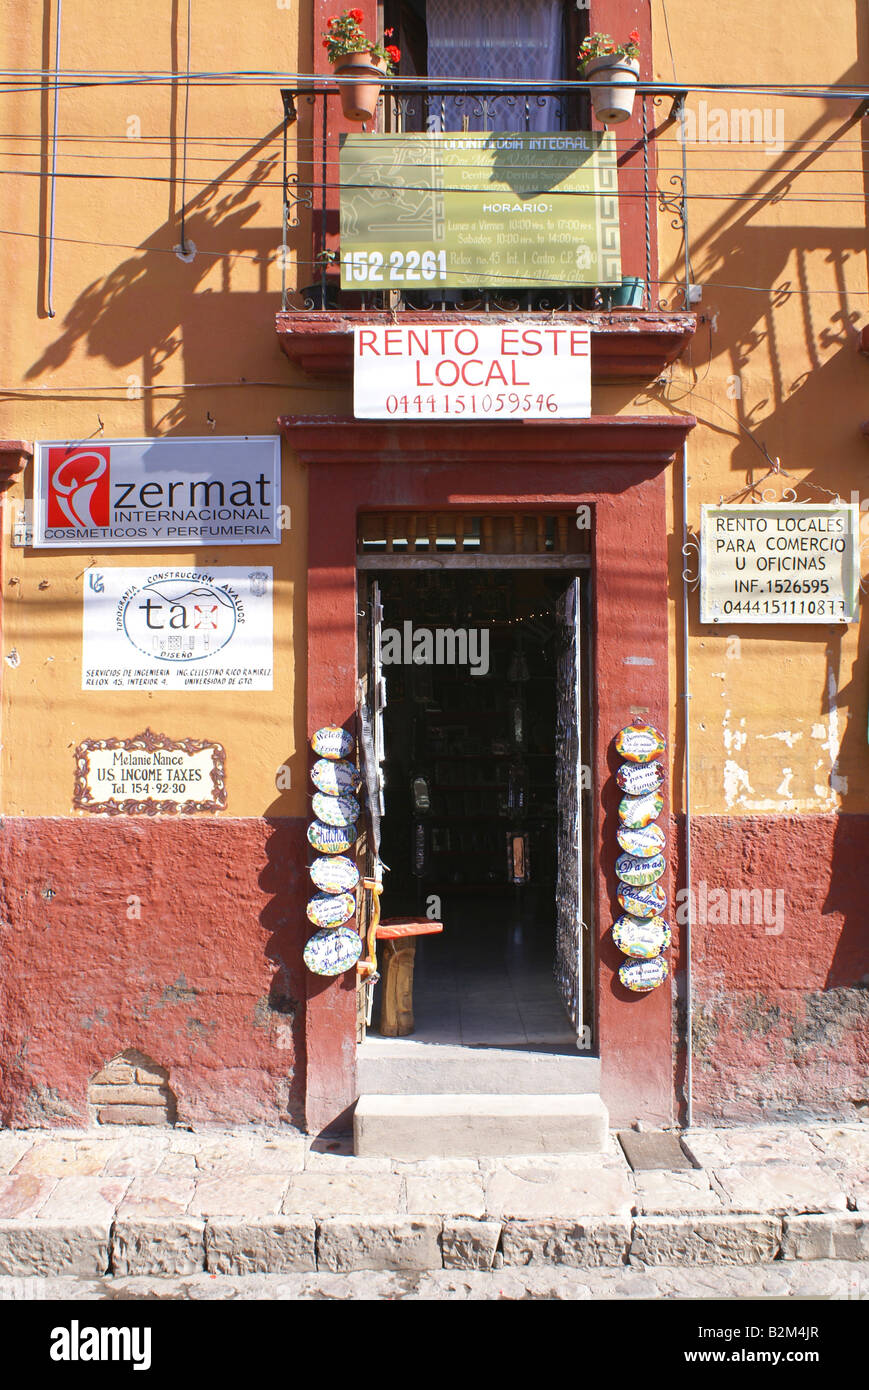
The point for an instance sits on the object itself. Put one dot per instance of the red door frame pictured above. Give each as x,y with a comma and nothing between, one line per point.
618,466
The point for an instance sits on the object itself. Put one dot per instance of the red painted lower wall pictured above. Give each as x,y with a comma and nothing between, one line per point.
181,938
208,980
781,1000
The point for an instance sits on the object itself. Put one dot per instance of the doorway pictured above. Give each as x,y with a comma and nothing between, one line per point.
480,690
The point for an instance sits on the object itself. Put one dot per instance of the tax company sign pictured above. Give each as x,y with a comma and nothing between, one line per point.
165,492
177,629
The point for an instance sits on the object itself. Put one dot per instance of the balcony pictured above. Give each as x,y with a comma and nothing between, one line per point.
631,341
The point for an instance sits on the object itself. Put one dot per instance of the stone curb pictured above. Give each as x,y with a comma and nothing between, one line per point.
170,1246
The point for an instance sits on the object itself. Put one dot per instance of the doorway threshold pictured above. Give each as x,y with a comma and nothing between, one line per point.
410,1066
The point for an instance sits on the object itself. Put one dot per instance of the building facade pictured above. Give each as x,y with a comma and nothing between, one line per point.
172,263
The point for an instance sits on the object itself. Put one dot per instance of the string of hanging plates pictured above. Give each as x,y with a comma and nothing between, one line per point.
641,933
336,945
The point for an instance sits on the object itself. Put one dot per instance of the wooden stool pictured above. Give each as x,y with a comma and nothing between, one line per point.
396,972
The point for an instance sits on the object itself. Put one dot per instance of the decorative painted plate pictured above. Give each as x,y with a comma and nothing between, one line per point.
331,839
332,742
639,872
331,909
638,778
642,902
336,810
333,952
637,811
639,743
643,975
642,937
642,843
335,777
334,875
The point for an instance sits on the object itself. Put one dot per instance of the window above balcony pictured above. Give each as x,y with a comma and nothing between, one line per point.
480,188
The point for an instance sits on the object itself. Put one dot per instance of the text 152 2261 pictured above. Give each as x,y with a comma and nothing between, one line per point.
402,267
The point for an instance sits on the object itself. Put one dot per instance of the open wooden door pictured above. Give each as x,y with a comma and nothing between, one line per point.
573,897
370,704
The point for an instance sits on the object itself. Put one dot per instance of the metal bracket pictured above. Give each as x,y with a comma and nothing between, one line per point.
288,96
674,203
691,551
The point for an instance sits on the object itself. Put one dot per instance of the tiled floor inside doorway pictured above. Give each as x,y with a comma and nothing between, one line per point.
487,981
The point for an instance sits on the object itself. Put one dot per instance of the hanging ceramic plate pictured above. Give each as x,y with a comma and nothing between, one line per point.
638,778
640,871
336,810
642,902
642,843
332,742
331,839
335,875
642,937
333,952
333,778
643,975
331,909
639,743
637,811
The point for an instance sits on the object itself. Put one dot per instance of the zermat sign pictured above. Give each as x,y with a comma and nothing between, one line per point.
479,209
140,492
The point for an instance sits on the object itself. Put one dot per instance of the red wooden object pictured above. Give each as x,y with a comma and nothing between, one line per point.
392,928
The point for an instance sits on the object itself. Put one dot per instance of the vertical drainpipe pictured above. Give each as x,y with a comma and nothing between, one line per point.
50,289
686,696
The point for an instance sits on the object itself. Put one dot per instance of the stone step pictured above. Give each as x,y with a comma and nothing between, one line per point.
474,1126
401,1066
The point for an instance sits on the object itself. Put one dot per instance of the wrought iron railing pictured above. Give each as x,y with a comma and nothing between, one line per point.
311,180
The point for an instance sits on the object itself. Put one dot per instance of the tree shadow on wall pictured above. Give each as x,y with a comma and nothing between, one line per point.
153,304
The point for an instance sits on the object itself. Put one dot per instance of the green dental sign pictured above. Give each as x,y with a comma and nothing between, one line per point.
479,209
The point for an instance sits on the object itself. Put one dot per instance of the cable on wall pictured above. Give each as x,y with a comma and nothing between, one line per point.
53,193
185,250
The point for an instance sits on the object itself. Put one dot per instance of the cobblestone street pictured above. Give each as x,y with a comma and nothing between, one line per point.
776,1212
817,1279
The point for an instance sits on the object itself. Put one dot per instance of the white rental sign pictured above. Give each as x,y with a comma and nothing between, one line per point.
177,629
166,492
780,563
456,371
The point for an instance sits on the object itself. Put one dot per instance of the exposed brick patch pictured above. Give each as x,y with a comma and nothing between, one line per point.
132,1089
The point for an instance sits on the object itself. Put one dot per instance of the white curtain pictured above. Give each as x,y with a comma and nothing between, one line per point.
518,39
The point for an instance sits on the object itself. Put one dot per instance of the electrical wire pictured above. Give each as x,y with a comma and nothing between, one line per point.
317,82
184,251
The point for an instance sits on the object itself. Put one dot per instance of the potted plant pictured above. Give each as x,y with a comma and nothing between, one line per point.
352,55
600,58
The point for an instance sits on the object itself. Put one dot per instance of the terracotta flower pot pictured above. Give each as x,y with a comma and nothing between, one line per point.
612,105
359,98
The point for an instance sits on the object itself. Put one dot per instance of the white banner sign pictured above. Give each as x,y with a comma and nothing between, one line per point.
780,563
454,371
166,492
177,629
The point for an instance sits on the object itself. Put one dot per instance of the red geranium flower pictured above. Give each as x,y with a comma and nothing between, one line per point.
634,36
393,53
357,15
325,43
